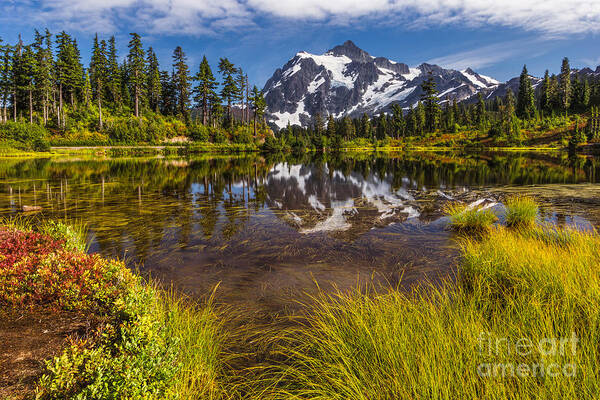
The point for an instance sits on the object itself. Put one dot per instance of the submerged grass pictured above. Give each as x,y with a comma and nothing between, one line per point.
469,219
521,321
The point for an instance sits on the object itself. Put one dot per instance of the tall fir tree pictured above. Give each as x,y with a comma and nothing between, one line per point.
229,90
137,67
43,70
398,122
258,105
153,83
206,84
525,97
545,93
27,78
564,91
5,79
114,74
429,100
98,74
168,99
182,82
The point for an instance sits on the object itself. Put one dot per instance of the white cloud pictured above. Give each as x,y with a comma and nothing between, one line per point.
483,56
210,16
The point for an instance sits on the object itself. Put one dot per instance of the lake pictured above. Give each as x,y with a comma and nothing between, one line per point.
268,229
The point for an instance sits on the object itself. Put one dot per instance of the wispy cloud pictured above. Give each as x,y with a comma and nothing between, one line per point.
591,62
487,55
200,17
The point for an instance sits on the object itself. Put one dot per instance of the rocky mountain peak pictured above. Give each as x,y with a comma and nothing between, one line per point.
348,81
352,51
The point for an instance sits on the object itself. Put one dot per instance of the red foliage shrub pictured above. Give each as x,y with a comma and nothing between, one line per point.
35,269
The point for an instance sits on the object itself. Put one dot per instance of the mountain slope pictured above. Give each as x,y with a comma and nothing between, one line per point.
346,80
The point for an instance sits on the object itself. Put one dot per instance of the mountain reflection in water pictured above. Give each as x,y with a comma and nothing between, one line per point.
269,230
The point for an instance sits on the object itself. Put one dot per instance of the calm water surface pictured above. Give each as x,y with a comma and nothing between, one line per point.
268,230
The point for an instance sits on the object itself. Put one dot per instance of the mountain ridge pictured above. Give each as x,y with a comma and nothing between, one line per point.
348,81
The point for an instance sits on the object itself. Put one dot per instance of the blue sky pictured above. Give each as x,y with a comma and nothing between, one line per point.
494,37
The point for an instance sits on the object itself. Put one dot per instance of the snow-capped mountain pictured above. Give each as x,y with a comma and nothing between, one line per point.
346,80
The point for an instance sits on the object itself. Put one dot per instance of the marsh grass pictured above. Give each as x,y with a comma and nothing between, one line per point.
521,211
201,339
439,342
469,219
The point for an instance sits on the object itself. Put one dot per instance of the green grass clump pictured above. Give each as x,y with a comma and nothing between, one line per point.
521,211
465,218
459,340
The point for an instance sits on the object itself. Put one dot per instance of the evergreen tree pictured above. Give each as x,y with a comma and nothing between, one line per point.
229,91
365,126
382,126
137,67
258,105
43,71
420,119
205,88
331,127
5,78
76,76
319,124
182,82
154,82
481,113
241,86
564,93
169,94
348,128
87,90
98,75
125,93
430,102
545,94
18,77
27,78
510,121
114,74
553,97
586,94
398,123
525,98
69,72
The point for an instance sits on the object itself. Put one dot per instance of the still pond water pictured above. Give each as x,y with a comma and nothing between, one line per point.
268,230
